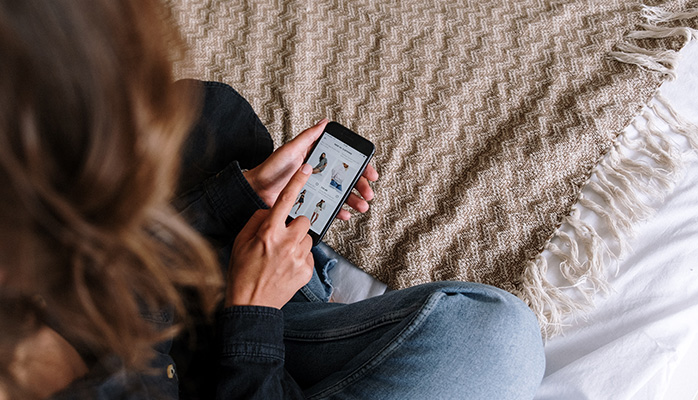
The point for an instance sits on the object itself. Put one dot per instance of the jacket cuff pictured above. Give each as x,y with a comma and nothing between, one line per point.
252,331
232,197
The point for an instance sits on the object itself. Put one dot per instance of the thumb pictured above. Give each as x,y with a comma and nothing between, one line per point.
306,138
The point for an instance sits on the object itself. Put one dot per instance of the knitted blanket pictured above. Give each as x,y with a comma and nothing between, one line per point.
489,118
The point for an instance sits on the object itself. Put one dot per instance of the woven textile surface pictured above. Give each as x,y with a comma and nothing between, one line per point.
488,116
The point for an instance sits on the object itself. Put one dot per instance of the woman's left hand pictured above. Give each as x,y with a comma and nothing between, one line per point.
271,176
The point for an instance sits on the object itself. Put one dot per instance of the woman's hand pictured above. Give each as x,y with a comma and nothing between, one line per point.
270,177
271,261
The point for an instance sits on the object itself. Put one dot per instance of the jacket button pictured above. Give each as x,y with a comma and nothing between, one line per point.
170,371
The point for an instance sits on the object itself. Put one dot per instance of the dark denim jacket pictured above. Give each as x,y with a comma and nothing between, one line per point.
246,358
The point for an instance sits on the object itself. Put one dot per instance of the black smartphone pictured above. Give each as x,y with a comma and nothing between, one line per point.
338,158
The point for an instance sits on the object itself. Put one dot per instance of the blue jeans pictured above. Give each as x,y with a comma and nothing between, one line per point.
440,340
335,184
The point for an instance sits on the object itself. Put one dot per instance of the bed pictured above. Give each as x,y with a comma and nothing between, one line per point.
641,340
490,117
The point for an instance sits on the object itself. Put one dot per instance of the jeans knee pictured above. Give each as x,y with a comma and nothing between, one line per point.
508,313
499,329
497,307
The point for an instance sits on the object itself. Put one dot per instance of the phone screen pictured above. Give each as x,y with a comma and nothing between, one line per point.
336,167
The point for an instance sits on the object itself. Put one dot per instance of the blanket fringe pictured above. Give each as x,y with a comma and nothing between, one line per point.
619,193
662,61
633,174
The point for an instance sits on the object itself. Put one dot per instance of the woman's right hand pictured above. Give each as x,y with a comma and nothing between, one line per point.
271,261
269,178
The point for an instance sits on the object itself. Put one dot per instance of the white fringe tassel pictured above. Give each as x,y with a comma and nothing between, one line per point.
662,61
619,191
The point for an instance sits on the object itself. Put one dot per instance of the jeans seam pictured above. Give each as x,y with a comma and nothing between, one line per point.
353,330
388,349
312,297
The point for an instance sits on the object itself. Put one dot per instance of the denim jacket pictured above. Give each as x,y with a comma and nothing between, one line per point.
251,350
247,359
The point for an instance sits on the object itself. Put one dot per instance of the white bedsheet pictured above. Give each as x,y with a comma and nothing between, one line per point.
639,342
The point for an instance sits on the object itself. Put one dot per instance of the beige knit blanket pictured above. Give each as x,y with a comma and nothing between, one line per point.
489,117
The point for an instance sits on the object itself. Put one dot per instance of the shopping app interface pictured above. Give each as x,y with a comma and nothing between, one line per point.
334,164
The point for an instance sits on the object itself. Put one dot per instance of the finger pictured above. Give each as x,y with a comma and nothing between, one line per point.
300,225
306,138
309,268
284,203
370,173
304,247
364,189
253,224
343,215
306,244
357,203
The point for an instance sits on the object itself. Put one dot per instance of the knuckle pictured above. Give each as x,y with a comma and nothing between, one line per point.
266,237
286,197
264,246
265,229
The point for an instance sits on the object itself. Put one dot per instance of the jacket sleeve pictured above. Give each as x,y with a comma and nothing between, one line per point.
219,207
251,364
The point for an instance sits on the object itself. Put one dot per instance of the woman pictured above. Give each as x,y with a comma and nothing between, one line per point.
98,272
299,201
90,129
321,165
318,209
338,174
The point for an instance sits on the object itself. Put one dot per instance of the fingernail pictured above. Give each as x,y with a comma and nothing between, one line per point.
306,169
321,121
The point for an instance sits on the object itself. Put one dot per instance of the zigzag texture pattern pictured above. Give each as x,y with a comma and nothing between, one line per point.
488,115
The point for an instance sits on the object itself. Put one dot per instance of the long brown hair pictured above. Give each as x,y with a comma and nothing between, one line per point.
90,132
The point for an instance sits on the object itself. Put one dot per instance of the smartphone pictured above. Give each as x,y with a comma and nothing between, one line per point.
338,158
